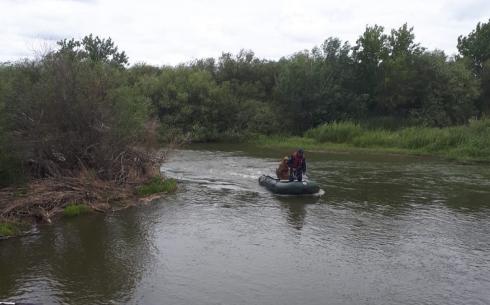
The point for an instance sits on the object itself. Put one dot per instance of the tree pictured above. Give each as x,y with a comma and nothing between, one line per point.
190,103
402,42
248,76
371,49
483,103
66,113
317,87
443,92
476,46
398,74
94,49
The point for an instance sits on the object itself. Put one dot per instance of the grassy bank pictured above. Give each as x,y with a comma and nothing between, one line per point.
468,142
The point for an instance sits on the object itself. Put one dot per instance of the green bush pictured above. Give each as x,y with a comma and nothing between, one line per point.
64,113
75,209
157,185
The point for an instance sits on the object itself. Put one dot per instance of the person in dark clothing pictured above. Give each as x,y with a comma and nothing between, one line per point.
297,165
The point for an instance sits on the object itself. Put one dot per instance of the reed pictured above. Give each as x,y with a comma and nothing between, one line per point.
465,142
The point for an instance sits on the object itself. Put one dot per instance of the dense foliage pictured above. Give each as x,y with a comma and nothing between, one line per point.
82,107
66,113
382,78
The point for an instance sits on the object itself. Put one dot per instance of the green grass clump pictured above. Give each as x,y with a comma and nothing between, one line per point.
376,138
8,229
75,209
283,141
336,132
157,185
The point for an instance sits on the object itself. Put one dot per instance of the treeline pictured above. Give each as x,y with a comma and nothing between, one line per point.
386,80
81,106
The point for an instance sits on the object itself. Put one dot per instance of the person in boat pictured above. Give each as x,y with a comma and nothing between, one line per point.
282,171
297,165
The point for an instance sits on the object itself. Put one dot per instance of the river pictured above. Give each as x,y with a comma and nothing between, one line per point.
388,229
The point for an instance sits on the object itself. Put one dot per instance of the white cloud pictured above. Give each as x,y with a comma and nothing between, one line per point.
169,32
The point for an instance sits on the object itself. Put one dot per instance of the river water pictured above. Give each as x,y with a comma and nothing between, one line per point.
387,230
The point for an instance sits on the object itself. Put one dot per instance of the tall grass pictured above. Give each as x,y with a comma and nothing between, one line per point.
284,141
470,141
336,132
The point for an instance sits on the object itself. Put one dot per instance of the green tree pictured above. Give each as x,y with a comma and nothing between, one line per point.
476,46
248,76
397,72
402,42
371,49
65,113
443,91
95,49
483,102
316,87
10,167
191,104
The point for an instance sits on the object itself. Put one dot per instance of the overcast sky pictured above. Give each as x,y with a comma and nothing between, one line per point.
170,32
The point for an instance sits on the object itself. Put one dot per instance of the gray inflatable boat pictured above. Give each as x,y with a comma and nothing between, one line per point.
284,187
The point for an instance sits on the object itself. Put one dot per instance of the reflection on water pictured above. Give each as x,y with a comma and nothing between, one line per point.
388,230
90,259
295,208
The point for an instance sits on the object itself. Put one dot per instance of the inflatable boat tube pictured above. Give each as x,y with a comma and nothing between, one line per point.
284,187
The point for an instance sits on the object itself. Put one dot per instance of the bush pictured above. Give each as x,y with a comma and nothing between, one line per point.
64,115
157,185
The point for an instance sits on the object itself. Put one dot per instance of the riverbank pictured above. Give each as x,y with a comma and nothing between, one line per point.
463,143
45,200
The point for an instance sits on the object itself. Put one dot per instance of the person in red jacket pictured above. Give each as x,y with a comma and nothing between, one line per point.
297,165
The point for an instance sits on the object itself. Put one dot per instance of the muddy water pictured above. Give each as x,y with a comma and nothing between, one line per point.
387,230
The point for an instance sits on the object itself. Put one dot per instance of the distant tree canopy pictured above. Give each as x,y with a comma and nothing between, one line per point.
475,48
94,49
81,106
